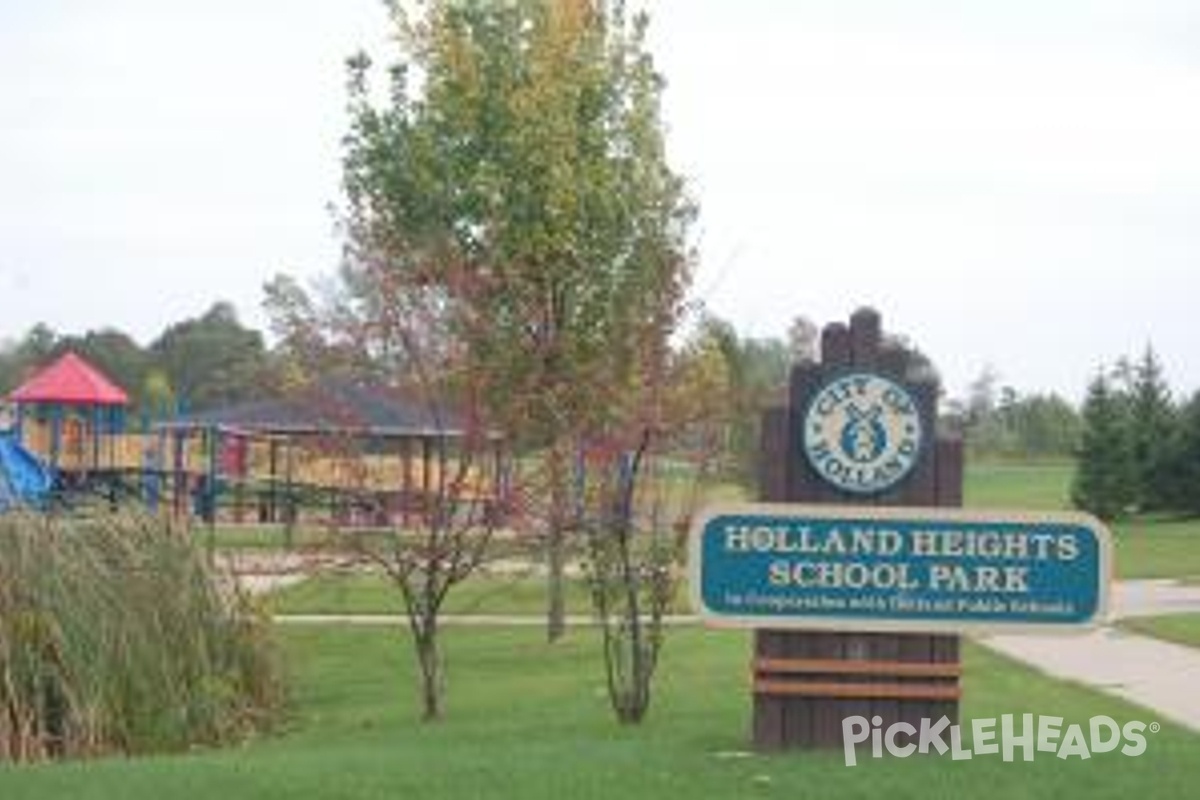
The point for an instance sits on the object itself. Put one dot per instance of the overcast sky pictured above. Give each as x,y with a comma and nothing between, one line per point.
1014,184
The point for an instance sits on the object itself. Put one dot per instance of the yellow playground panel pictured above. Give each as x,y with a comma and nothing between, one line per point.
80,451
377,473
301,461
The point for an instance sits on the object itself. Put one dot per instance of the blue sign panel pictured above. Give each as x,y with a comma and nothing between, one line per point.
898,568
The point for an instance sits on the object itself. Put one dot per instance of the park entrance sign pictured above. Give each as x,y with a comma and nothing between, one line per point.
859,570
897,568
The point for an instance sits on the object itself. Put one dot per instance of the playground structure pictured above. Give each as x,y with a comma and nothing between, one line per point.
343,452
24,479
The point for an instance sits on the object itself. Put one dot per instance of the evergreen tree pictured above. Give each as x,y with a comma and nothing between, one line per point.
1185,459
1105,478
1152,427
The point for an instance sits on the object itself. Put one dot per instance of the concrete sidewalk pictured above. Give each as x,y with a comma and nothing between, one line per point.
458,620
1162,676
1145,598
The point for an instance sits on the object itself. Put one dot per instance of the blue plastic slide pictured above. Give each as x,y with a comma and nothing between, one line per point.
24,479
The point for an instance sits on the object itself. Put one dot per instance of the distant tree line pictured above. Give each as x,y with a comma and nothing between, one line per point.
1140,448
996,421
197,363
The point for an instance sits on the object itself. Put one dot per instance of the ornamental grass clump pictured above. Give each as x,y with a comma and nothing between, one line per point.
116,637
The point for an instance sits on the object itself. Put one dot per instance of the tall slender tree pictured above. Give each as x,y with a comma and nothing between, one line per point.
1105,477
517,176
1152,427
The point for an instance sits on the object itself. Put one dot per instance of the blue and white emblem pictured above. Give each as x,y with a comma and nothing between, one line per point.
862,432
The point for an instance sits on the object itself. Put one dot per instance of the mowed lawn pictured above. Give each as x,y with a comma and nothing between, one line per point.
372,593
1041,486
1180,628
531,721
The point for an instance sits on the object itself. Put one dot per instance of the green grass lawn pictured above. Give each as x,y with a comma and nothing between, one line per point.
527,720
1147,547
1043,486
373,594
1181,628
261,537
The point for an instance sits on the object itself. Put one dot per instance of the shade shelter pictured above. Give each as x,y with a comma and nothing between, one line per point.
339,442
67,411
334,408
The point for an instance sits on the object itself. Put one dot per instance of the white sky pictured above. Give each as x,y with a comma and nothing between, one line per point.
1010,183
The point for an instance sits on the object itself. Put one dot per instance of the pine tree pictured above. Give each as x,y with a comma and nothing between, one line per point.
1185,459
1152,429
1105,479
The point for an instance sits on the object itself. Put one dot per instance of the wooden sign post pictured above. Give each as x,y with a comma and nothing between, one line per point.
858,571
806,682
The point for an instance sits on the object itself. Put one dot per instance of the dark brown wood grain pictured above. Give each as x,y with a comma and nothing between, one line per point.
806,682
774,469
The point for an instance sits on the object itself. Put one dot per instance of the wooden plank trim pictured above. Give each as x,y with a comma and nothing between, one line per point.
902,669
897,691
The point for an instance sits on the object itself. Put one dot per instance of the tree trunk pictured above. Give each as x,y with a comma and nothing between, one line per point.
631,642
556,544
556,605
429,661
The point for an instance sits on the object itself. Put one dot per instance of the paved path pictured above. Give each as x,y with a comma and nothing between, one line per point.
1162,676
455,620
1153,597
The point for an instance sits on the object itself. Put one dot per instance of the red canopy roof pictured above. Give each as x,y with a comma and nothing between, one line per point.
70,379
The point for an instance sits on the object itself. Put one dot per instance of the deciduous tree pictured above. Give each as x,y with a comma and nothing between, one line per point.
454,498
212,359
517,174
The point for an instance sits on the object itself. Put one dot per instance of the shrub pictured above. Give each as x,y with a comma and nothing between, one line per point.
115,636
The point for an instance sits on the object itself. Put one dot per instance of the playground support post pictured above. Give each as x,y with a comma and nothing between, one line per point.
289,510
209,490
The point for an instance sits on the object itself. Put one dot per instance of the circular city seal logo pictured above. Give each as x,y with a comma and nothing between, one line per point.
862,432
